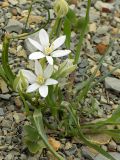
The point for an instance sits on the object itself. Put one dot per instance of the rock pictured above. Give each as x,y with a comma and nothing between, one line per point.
112,84
18,117
22,2
101,48
71,150
112,146
103,29
14,26
28,45
5,96
14,11
5,4
92,27
32,19
3,86
101,6
18,102
13,2
1,112
114,154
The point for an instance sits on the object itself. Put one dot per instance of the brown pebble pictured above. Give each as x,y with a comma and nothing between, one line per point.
18,102
101,48
14,11
4,4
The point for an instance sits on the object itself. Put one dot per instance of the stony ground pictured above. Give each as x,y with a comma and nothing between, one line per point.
104,26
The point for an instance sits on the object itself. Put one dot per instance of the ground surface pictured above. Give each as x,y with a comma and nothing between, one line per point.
104,26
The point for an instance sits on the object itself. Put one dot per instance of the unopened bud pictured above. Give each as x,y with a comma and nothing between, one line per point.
61,8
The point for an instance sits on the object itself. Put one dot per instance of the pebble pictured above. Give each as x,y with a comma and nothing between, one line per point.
13,2
114,154
1,112
14,26
112,146
5,96
92,27
112,84
103,29
101,5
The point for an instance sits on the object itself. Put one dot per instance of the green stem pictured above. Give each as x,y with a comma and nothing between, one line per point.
28,34
79,46
55,28
8,72
25,103
29,11
83,138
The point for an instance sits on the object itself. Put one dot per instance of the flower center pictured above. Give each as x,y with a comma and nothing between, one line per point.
49,49
40,79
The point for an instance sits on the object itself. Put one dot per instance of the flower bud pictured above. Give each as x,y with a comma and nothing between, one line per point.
20,82
61,8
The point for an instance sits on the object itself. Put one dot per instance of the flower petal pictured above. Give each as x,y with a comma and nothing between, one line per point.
51,81
36,55
44,38
50,60
38,68
58,42
48,71
35,44
60,53
29,75
43,90
33,87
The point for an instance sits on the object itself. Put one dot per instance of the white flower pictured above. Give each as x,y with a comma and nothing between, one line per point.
47,50
40,80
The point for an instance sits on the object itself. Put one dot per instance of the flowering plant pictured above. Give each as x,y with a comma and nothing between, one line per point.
50,86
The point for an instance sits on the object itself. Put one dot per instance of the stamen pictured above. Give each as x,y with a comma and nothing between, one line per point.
40,79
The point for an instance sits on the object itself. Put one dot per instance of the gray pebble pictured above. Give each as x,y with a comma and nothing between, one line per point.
1,112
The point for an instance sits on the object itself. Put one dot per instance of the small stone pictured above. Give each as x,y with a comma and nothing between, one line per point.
71,151
13,2
103,29
18,102
118,148
19,117
114,154
92,27
1,112
112,84
8,15
5,4
112,146
101,6
5,96
14,26
14,11
23,2
101,48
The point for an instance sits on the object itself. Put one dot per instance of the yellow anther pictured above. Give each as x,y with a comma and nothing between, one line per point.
40,79
49,49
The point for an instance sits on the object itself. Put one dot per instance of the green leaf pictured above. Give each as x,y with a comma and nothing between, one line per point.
37,116
31,133
115,116
72,17
67,31
35,147
84,139
5,64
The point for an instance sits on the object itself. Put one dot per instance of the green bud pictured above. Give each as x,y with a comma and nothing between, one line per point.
20,82
61,8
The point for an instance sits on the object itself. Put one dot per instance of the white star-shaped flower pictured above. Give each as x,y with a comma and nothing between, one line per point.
40,80
46,49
